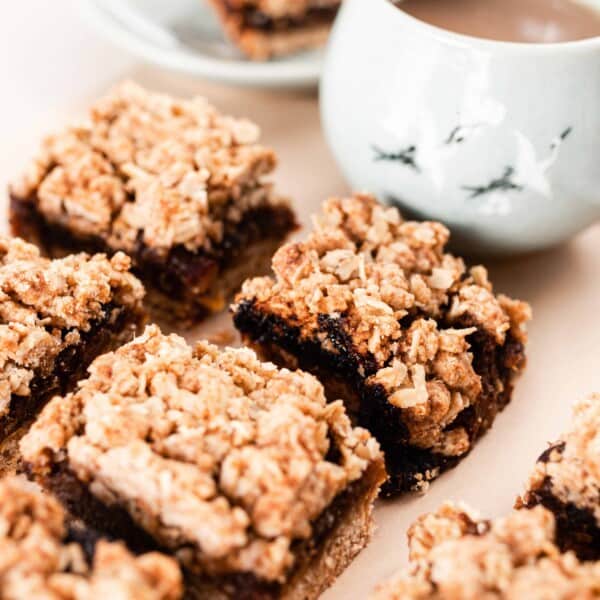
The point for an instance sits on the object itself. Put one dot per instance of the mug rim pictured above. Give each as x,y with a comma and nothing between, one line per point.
446,35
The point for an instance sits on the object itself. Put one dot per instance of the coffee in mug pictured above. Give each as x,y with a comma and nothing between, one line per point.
530,21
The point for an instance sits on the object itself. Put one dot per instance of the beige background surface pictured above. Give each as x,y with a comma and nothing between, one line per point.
52,64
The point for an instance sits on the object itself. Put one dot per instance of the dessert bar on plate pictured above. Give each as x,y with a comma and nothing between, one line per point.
566,480
176,185
56,316
419,347
241,470
263,29
43,557
456,556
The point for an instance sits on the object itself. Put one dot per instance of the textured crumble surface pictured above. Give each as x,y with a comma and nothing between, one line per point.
222,458
570,469
37,561
401,303
456,556
45,306
148,168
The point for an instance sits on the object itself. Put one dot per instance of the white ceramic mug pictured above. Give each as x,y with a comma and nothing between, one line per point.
499,140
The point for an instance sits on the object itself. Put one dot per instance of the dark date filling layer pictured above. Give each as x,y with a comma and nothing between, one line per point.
344,372
115,523
182,276
253,18
576,528
117,326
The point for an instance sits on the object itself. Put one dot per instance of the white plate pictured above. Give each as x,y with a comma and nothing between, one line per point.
184,35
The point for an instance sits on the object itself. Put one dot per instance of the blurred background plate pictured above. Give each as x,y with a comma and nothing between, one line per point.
184,35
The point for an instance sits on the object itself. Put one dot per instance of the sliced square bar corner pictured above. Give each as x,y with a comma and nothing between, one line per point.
420,348
241,470
179,187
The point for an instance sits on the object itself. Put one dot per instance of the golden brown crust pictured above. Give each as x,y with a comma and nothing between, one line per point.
456,556
45,305
222,458
350,535
175,171
37,562
323,563
365,265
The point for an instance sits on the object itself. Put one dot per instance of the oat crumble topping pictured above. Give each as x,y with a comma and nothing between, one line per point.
573,472
456,556
221,457
371,269
146,165
46,304
36,562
